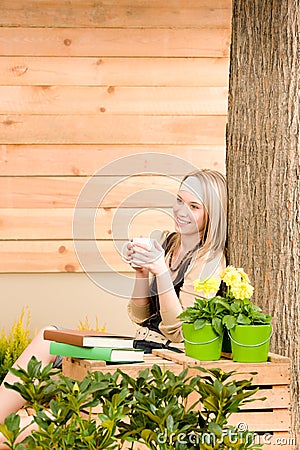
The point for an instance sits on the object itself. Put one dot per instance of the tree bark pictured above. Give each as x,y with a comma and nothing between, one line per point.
263,167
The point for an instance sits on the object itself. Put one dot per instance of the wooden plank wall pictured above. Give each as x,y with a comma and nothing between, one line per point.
83,83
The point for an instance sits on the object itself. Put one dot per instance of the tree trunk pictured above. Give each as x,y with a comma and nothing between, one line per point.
263,167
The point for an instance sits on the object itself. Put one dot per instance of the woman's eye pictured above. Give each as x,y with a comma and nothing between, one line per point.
179,200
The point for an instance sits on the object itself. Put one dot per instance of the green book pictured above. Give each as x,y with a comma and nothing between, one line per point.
98,353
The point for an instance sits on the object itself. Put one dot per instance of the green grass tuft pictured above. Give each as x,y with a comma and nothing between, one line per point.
13,344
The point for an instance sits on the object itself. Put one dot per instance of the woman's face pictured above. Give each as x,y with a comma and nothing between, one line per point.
189,214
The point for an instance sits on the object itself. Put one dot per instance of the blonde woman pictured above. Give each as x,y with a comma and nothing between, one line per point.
194,250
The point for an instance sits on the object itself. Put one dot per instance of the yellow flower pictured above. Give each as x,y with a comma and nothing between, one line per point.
242,291
238,282
243,274
230,276
208,287
235,279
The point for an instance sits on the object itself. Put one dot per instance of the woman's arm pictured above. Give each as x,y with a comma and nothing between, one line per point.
168,299
170,306
139,304
141,291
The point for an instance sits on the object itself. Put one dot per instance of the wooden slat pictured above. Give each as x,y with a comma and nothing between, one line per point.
57,256
42,192
87,159
114,42
118,100
86,71
264,373
57,223
283,439
277,420
277,397
276,358
108,129
36,224
111,13
280,372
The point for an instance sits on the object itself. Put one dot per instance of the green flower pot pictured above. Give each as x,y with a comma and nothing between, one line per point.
204,344
250,343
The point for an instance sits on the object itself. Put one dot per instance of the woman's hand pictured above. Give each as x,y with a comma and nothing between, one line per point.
153,259
128,256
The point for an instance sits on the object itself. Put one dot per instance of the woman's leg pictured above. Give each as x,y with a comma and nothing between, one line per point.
11,401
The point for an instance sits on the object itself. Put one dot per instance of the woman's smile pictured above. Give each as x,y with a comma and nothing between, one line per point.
181,221
188,213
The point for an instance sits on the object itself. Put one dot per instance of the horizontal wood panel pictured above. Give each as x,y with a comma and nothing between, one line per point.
279,439
62,192
277,397
58,256
111,13
108,129
15,70
87,159
277,420
124,223
118,100
114,42
263,374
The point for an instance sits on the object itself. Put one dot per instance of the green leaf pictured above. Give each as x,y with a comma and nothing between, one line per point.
148,435
199,323
221,301
170,423
229,322
217,325
215,429
243,320
218,386
211,403
12,422
236,306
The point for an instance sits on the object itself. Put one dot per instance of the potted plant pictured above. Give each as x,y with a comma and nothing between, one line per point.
248,327
202,323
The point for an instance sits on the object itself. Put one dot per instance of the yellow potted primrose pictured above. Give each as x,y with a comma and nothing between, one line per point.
248,327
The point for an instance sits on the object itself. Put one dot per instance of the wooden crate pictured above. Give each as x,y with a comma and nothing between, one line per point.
271,418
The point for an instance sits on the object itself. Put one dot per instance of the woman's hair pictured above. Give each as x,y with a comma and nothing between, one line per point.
213,195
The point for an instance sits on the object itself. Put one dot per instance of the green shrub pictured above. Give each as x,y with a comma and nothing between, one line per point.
153,408
13,344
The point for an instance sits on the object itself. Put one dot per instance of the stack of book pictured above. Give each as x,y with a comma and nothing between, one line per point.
96,345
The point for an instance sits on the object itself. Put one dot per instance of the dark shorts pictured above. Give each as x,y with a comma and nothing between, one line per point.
148,346
58,360
58,363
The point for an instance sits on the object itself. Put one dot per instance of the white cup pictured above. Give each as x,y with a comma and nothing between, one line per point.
146,242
